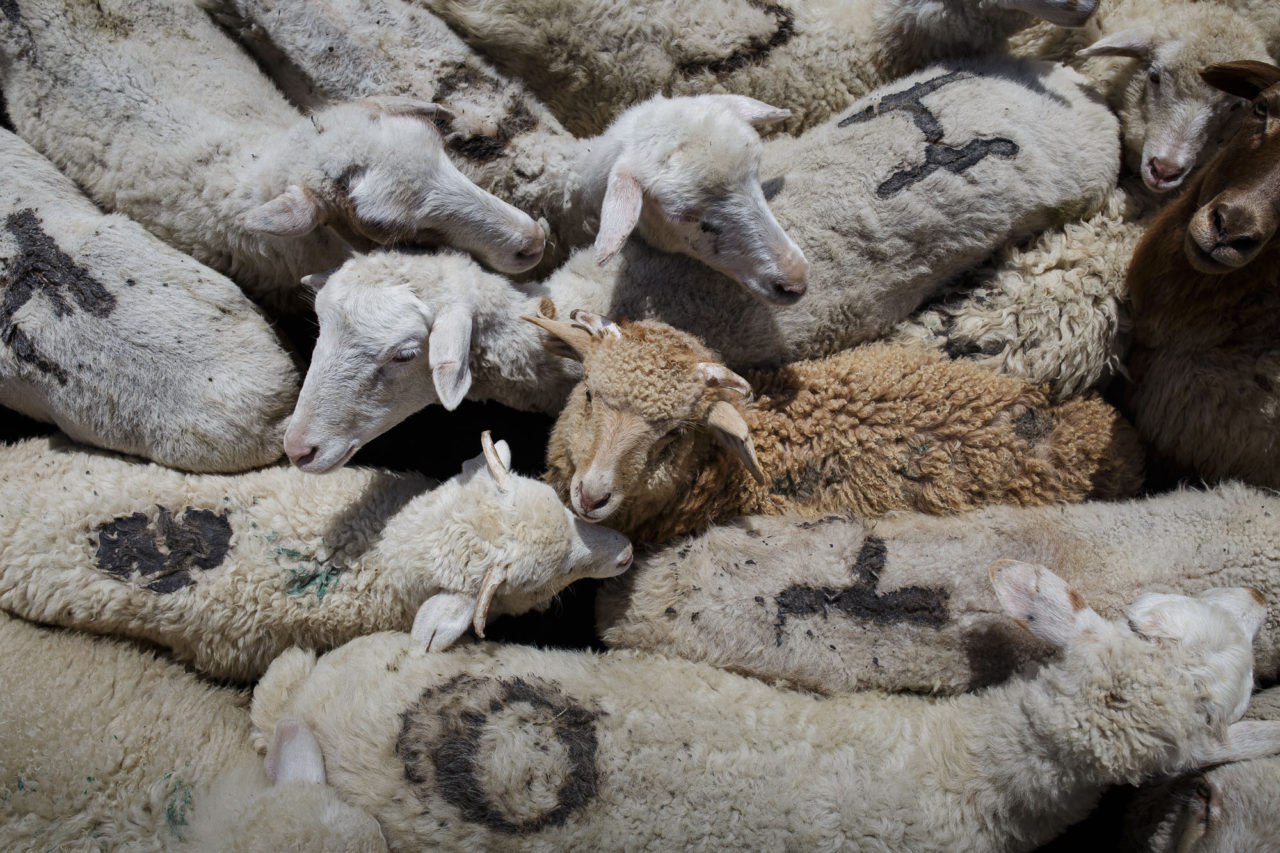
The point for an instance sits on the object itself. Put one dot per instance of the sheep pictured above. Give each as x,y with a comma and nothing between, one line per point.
105,746
1227,808
816,58
660,439
1051,310
899,603
491,746
1205,362
125,343
1172,122
226,572
873,256
665,168
157,114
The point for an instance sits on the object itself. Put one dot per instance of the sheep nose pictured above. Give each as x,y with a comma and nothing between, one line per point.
590,503
534,244
303,456
1164,172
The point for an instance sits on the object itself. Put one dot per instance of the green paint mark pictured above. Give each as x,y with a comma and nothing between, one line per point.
22,786
320,579
289,552
175,811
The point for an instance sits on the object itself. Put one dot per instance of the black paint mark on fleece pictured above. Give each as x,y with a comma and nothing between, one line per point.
936,155
440,737
11,10
200,541
756,49
861,601
481,148
39,266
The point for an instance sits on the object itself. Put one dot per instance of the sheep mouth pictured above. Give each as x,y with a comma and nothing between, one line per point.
320,465
1217,259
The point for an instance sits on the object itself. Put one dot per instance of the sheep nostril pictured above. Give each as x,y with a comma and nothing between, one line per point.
305,458
590,504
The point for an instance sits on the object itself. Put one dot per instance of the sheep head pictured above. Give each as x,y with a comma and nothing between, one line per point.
633,427
1239,196
375,171
1172,120
523,548
686,179
1194,654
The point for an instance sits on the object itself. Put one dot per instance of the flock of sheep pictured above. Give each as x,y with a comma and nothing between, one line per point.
825,329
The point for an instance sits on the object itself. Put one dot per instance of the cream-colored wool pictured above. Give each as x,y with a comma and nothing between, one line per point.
158,114
590,59
125,343
228,571
105,746
1225,809
874,429
901,603
515,748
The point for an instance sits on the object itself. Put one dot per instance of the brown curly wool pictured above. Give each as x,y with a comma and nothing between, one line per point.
873,429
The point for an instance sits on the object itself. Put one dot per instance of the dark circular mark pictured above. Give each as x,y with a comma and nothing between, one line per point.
198,541
440,742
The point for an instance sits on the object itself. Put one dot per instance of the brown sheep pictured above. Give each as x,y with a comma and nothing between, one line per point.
1205,285
661,439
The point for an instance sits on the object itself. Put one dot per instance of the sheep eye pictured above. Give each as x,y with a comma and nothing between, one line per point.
1260,110
588,392
406,355
1154,76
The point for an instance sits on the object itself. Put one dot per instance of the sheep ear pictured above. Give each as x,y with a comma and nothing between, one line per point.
569,340
317,280
449,352
1245,740
441,620
597,324
493,579
1039,600
1244,78
294,754
1133,43
623,198
753,112
498,457
290,214
719,376
1244,603
727,425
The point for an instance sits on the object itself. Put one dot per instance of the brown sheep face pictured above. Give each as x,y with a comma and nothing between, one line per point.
631,427
1240,193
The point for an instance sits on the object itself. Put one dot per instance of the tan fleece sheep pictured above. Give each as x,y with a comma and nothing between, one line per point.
104,746
503,747
648,439
901,603
228,571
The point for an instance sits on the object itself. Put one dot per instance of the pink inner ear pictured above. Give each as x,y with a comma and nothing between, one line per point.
620,212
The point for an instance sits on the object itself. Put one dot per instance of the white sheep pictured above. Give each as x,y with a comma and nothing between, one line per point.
683,173
868,203
227,571
522,748
901,603
105,746
813,57
125,343
158,114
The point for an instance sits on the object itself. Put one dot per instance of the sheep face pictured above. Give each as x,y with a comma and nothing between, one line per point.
634,427
1239,197
687,180
369,369
376,172
1173,121
530,545
1202,647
